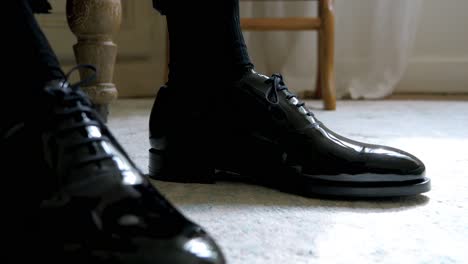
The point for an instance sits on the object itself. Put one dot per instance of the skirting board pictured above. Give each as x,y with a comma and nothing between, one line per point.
142,78
435,75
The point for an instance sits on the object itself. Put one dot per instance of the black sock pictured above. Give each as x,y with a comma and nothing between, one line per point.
206,38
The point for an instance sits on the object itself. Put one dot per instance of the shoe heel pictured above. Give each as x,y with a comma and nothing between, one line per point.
184,170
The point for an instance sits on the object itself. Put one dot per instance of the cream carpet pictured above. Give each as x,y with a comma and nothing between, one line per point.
259,225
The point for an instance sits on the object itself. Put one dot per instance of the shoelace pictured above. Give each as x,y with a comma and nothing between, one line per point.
278,85
17,127
76,104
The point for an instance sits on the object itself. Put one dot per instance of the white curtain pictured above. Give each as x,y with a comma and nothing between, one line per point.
374,39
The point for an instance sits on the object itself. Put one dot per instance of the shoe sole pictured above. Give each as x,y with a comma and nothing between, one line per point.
308,187
302,185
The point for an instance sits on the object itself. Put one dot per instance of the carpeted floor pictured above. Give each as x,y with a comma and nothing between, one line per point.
258,225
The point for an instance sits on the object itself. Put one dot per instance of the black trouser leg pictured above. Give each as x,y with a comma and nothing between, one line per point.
30,62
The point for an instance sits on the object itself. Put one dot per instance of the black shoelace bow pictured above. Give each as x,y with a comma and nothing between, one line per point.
69,102
278,85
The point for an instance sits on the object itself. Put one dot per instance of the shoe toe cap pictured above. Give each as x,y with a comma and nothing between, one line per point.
200,248
402,165
192,246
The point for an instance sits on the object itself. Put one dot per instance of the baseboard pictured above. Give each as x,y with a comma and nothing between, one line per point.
140,78
435,75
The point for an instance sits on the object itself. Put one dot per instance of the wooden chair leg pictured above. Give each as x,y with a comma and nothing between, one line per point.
318,84
327,57
166,68
94,22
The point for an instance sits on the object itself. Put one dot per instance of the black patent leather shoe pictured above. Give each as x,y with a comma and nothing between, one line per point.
266,136
101,208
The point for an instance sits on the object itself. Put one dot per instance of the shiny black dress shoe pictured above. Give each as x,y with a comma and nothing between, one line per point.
99,207
263,134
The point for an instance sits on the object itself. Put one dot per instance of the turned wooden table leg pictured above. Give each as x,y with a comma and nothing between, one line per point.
95,22
327,53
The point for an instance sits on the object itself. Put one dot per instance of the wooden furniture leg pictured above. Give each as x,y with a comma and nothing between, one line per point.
318,84
327,53
167,58
94,22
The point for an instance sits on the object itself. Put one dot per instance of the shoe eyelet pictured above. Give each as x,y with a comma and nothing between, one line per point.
303,110
294,101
